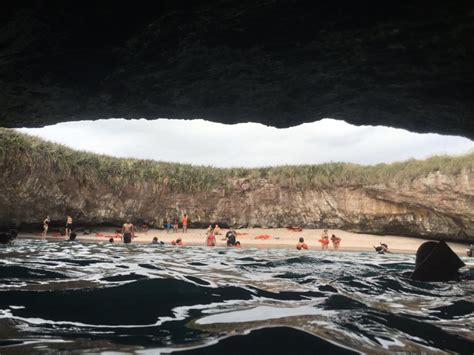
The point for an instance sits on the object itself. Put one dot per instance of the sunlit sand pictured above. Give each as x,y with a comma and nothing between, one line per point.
279,238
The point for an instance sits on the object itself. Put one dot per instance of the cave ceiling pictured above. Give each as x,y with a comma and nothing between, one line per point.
407,64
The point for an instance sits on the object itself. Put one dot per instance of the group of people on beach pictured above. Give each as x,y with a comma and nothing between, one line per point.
230,237
67,228
175,224
324,240
128,234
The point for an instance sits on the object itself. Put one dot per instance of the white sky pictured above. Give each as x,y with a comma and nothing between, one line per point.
249,144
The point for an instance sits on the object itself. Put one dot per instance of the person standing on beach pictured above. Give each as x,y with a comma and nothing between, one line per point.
211,240
185,223
166,225
175,224
45,227
324,240
335,241
128,232
68,228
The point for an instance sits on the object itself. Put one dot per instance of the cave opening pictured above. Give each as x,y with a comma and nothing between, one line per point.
249,145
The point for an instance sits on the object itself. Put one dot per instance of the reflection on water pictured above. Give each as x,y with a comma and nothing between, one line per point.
148,298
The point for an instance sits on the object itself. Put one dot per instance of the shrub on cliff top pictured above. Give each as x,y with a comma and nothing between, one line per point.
22,151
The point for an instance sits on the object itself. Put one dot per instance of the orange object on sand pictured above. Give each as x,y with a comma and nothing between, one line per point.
99,235
241,233
263,236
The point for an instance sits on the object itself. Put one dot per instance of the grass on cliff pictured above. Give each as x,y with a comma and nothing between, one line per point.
22,151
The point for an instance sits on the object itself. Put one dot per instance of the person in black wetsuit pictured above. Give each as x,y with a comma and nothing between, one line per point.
231,238
128,232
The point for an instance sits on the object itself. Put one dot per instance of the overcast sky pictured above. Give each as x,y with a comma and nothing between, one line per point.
249,144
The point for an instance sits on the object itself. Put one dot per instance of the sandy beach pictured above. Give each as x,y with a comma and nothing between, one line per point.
279,238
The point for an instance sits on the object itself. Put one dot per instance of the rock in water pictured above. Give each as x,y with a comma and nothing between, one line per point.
7,237
435,261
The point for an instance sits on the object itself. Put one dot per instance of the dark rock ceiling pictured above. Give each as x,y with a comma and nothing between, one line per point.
400,63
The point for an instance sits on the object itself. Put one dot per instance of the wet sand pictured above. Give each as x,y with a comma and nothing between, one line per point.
279,238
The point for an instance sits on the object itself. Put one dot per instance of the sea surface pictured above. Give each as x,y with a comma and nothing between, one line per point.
101,298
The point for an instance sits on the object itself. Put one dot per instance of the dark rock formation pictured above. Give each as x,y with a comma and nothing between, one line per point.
436,262
7,237
398,63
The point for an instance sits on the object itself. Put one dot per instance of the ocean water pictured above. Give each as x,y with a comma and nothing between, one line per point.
101,298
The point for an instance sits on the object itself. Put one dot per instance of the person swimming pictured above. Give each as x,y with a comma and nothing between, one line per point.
128,232
301,244
177,242
155,240
111,240
382,249
335,241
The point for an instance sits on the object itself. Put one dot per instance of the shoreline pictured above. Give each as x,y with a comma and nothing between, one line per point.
280,238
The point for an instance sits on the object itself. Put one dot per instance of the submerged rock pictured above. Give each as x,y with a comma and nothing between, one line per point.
7,237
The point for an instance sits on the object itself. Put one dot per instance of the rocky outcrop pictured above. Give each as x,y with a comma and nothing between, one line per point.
395,63
37,181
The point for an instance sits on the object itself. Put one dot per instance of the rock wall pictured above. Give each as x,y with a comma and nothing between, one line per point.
435,205
395,63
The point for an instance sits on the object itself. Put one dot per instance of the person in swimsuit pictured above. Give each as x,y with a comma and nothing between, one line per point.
45,227
185,223
217,230
335,241
175,224
68,228
209,229
128,232
324,240
211,240
301,244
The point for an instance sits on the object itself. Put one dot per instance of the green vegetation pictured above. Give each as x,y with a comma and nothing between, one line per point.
21,151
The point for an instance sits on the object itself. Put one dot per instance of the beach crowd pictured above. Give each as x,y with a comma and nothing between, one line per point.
127,234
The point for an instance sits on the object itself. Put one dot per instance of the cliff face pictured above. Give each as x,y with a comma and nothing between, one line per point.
35,183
